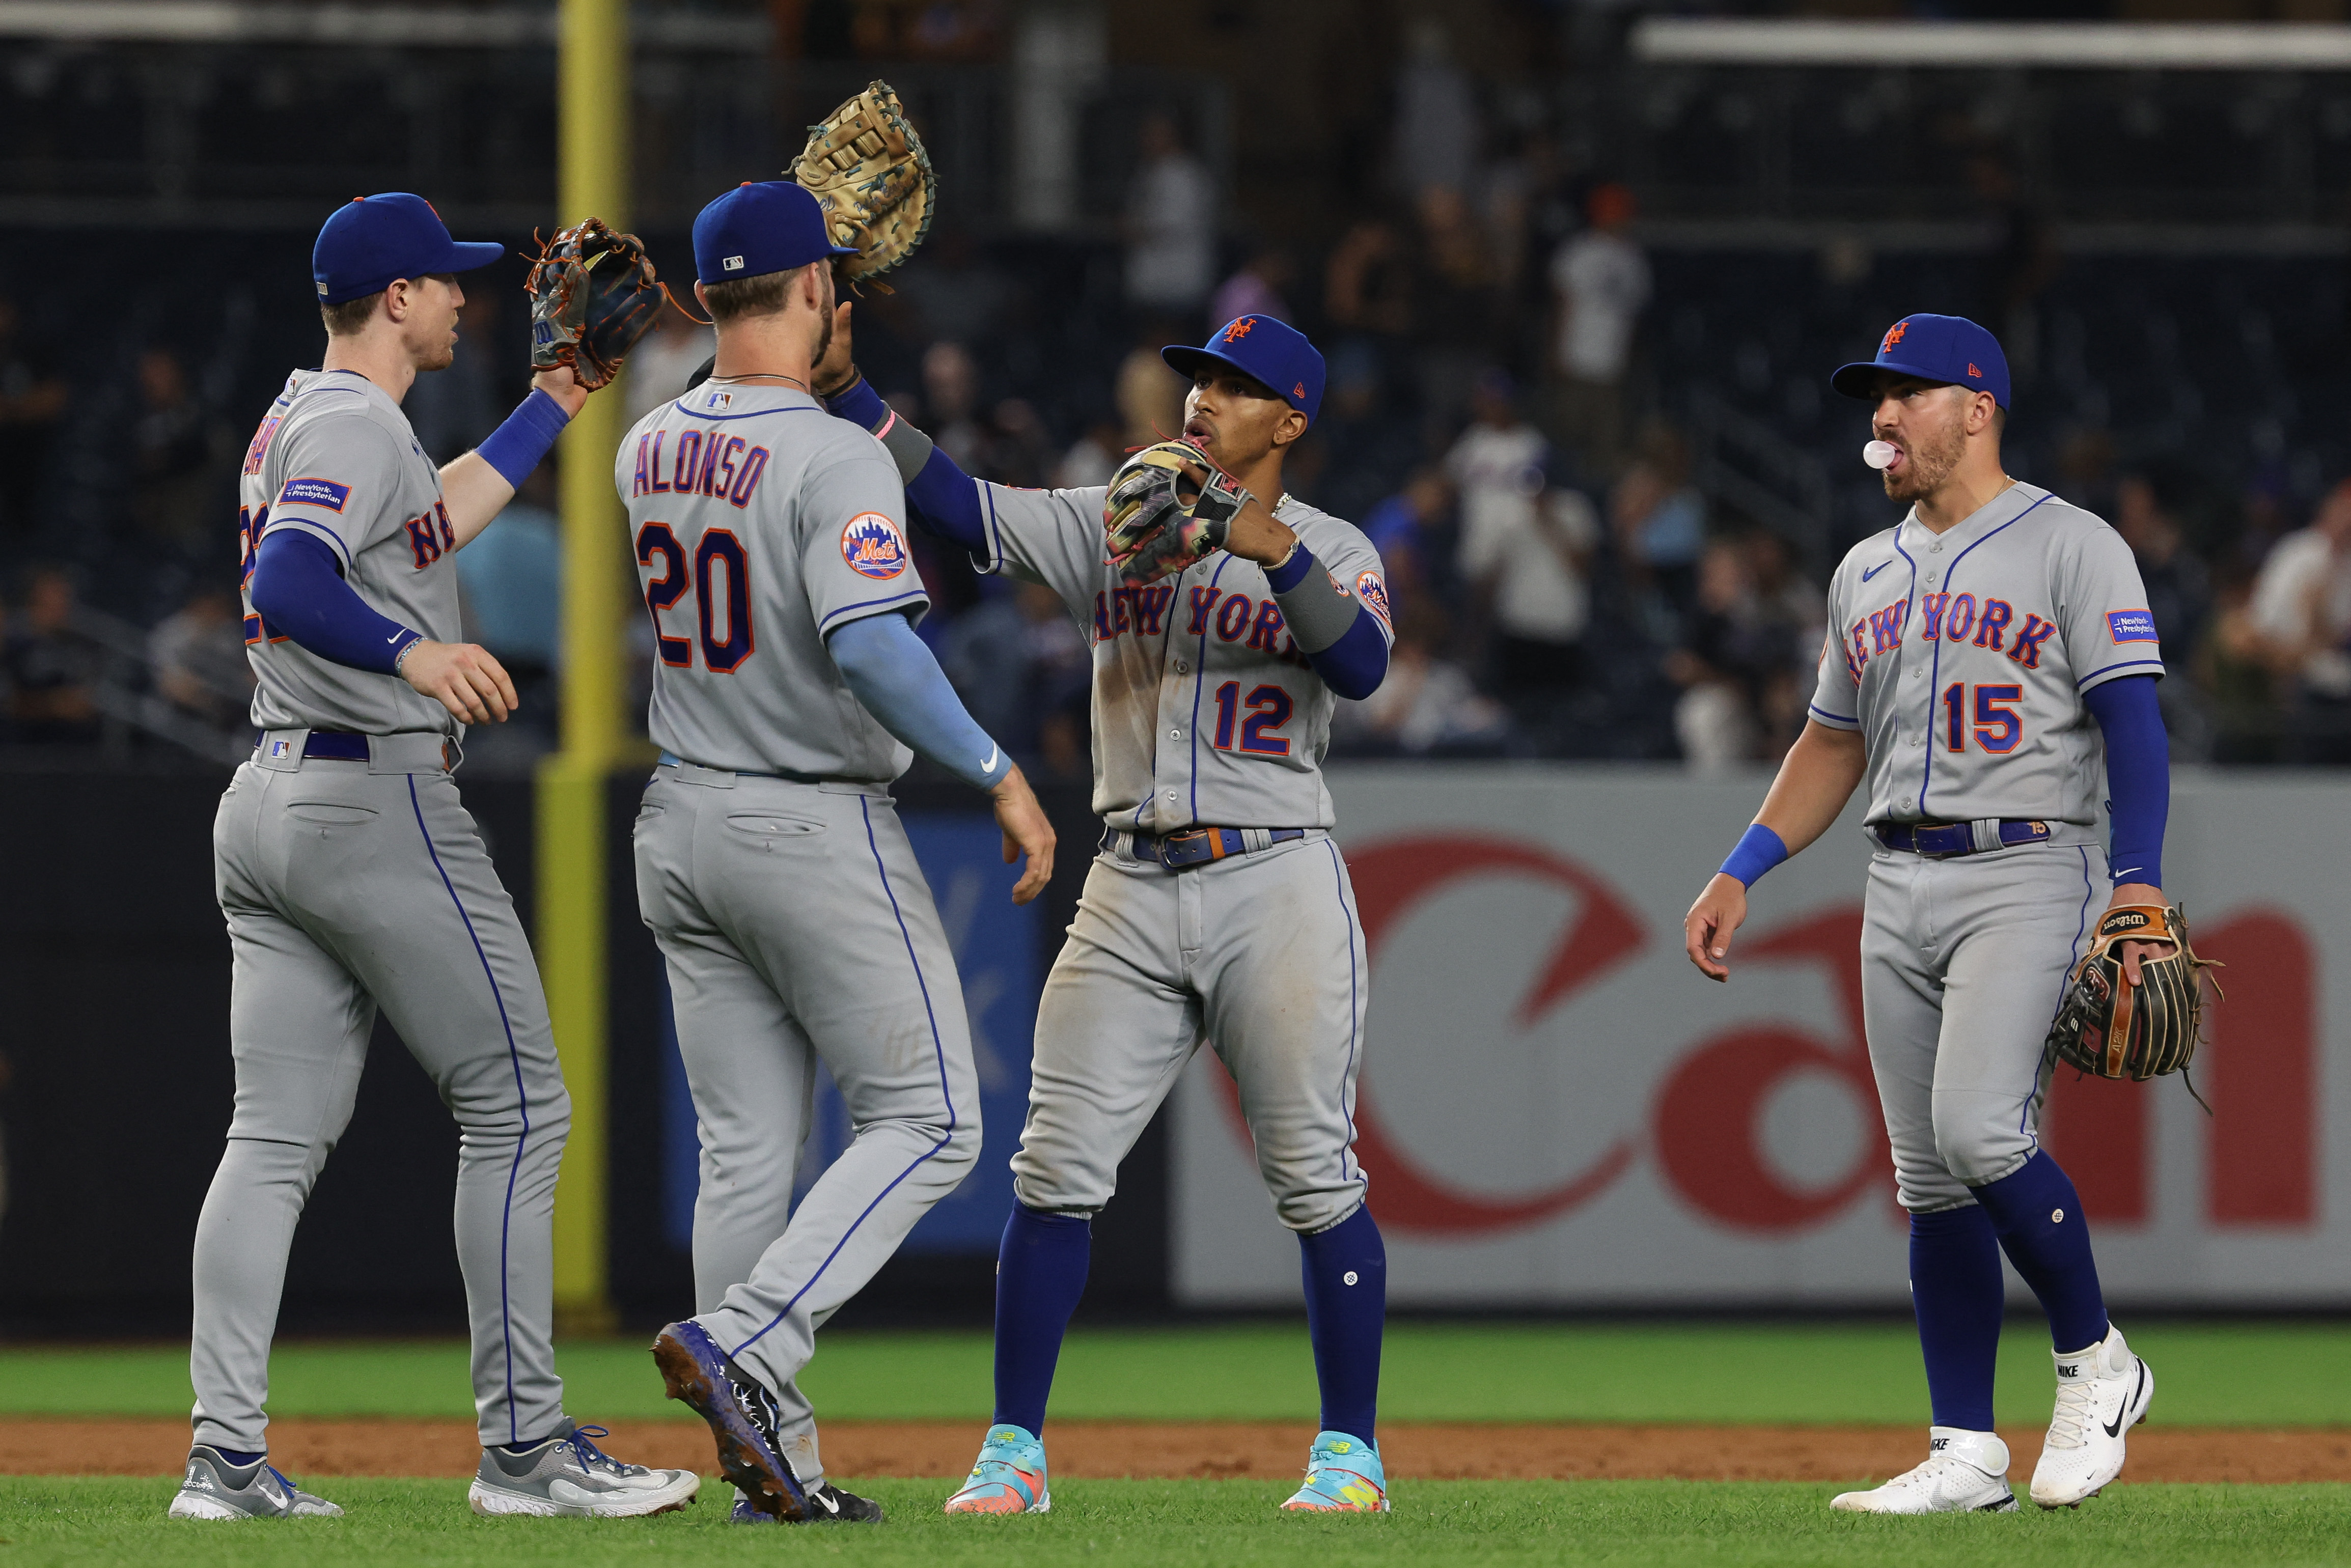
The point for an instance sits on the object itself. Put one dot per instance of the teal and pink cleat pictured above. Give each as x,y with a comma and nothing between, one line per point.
1343,1475
1009,1478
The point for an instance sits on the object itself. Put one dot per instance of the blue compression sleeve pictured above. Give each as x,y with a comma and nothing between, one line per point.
943,500
893,673
300,593
2138,776
514,447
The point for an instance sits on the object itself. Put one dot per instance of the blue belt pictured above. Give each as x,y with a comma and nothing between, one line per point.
1189,847
334,745
1943,840
671,759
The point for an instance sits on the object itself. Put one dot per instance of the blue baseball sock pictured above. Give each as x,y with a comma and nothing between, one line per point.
239,1459
2038,1218
1041,1272
1346,1270
1955,1289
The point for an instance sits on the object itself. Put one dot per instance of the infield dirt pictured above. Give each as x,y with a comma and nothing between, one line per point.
1112,1449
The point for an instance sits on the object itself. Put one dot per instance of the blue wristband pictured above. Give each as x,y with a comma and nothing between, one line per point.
1760,848
514,447
860,403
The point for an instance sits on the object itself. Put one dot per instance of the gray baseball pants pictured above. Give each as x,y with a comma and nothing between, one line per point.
349,886
797,928
1963,963
1260,954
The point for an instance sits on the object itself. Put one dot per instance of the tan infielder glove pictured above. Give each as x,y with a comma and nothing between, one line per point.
869,172
2115,1029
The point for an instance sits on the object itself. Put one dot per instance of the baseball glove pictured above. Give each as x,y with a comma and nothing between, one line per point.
871,174
1156,521
2115,1029
592,295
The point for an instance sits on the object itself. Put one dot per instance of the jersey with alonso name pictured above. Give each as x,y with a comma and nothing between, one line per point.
1962,658
335,458
760,524
1205,711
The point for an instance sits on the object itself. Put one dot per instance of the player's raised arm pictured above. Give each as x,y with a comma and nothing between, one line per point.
1815,780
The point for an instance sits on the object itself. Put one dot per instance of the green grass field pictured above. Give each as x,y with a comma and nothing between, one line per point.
2245,1374
1148,1524
2249,1375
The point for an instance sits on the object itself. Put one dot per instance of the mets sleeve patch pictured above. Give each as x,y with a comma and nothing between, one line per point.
1373,593
2132,626
321,493
872,547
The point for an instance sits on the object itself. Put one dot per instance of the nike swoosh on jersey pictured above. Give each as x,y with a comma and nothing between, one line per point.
1874,571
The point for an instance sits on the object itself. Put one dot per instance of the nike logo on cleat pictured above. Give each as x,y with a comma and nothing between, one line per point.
825,1502
2114,1427
1874,571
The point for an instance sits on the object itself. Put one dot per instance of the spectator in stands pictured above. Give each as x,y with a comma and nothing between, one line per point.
2301,610
1256,288
1150,396
32,402
661,365
1404,529
1658,516
1529,563
52,669
1498,461
1426,704
2147,508
2234,670
1435,128
1793,613
1736,653
177,454
951,401
1600,285
511,578
198,655
1457,307
1171,225
1091,459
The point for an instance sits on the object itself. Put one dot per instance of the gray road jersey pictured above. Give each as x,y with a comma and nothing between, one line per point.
1962,659
334,458
760,523
1203,709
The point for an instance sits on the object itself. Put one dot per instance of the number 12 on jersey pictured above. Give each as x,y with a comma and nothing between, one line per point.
1998,727
721,581
1268,710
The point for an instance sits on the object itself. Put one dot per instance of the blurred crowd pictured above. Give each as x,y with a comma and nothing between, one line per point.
1495,419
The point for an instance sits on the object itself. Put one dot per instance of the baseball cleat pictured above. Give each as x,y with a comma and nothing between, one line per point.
1965,1473
1007,1477
742,1415
1343,1475
828,1504
214,1488
2102,1393
571,1477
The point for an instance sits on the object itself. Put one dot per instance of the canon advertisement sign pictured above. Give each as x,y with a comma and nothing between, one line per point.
1557,1110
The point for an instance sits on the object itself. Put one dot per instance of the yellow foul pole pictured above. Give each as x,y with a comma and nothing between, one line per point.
593,93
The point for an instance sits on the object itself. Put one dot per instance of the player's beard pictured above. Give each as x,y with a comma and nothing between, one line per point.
1929,462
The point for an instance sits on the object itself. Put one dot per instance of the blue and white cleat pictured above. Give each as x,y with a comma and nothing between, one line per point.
1343,1475
742,1415
214,1488
1008,1477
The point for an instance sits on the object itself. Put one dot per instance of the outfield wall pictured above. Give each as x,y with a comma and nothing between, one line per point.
1557,1110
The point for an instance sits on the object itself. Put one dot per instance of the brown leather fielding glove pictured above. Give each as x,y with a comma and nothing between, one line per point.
592,295
2115,1029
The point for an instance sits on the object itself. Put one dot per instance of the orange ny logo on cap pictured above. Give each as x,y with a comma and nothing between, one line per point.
1239,329
1893,336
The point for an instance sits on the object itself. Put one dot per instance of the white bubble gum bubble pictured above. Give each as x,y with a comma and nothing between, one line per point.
1879,454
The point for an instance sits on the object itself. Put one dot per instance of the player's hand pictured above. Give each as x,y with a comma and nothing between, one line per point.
462,677
1026,832
833,372
1720,909
2133,952
1256,533
559,384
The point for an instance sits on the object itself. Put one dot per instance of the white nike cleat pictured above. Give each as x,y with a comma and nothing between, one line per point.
2102,1393
1965,1473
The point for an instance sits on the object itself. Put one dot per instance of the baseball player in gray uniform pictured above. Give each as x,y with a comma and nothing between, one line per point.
1990,675
771,866
353,880
1219,907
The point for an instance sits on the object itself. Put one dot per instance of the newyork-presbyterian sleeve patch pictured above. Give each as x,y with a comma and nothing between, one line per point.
2132,626
321,493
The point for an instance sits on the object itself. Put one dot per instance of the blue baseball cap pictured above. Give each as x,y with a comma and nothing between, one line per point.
1936,348
1275,352
774,226
373,240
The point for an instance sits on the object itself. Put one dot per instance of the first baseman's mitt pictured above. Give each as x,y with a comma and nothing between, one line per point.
592,295
869,172
2115,1029
1156,521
